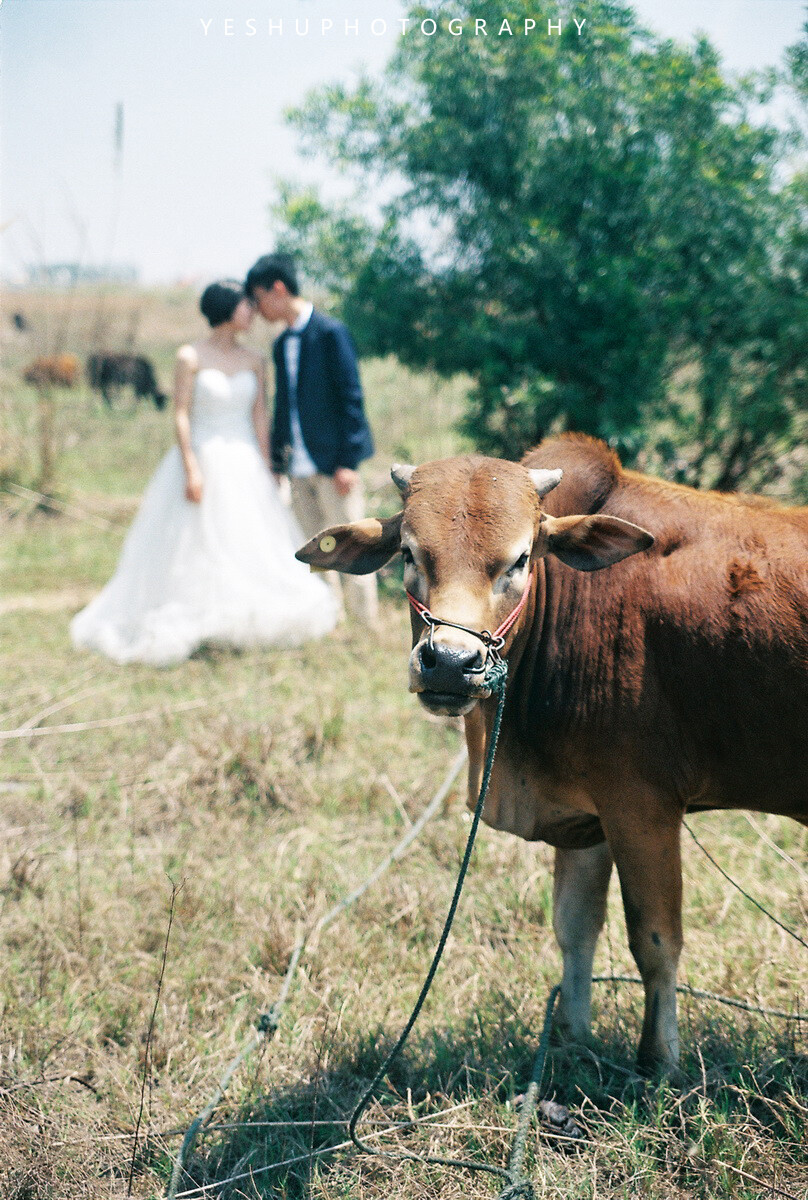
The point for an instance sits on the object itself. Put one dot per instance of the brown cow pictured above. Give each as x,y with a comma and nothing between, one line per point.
53,370
673,682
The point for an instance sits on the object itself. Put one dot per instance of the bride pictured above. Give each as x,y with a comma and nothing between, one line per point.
210,556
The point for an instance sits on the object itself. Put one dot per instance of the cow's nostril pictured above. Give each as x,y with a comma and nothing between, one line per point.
447,666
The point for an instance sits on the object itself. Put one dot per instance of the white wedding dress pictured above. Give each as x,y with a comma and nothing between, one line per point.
222,571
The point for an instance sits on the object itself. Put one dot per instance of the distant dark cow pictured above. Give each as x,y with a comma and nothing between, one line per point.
676,681
53,370
108,373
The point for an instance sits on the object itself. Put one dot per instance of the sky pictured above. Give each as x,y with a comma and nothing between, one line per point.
204,132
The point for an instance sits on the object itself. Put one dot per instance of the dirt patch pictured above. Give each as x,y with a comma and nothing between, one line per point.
67,598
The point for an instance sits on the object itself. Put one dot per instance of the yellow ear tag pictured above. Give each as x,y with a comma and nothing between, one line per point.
328,543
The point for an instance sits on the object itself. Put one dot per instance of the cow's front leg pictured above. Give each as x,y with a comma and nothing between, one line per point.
580,888
644,839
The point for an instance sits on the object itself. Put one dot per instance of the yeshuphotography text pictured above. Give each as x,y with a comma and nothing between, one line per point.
379,27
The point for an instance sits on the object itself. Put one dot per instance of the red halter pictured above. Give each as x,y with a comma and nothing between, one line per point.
494,641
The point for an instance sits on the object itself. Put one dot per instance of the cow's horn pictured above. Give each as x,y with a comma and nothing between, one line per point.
545,481
401,474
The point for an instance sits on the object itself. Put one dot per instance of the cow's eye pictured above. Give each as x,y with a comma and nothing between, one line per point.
406,555
520,563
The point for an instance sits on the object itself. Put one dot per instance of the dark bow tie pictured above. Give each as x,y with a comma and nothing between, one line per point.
295,333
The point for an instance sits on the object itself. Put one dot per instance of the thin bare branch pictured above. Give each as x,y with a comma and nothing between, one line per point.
175,890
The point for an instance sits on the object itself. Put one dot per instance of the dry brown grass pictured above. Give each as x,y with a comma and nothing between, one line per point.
269,813
268,802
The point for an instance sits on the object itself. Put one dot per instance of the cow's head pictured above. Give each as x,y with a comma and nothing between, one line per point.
471,533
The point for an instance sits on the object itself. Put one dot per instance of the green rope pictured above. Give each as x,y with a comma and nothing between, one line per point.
517,1185
515,1167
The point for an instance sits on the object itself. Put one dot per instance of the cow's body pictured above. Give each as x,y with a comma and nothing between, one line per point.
53,370
687,664
108,373
672,681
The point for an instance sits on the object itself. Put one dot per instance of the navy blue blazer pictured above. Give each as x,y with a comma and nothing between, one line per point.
329,399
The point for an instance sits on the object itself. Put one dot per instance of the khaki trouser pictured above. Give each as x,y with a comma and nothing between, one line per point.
317,504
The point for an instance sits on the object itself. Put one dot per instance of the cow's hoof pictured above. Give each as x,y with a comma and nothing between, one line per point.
571,1032
662,1070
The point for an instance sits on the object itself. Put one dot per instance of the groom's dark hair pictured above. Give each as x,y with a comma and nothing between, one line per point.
270,268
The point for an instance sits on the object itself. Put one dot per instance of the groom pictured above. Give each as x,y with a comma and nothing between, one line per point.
320,433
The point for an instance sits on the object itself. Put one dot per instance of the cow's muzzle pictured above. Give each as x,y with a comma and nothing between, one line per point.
448,678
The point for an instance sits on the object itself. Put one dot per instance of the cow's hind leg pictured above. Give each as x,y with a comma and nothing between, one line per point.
579,909
645,843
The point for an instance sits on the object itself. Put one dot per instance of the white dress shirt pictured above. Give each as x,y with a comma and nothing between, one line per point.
301,464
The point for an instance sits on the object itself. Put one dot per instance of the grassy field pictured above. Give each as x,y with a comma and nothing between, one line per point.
263,786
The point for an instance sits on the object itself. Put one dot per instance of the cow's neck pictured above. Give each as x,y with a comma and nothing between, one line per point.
518,797
545,664
556,679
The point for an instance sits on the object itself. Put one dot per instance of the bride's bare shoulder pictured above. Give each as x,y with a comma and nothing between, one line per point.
188,356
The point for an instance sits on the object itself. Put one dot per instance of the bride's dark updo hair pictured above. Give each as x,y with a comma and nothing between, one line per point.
220,300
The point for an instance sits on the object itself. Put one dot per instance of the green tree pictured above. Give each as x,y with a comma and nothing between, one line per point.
592,226
797,64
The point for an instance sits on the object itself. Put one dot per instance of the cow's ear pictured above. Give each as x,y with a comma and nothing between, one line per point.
354,549
589,543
